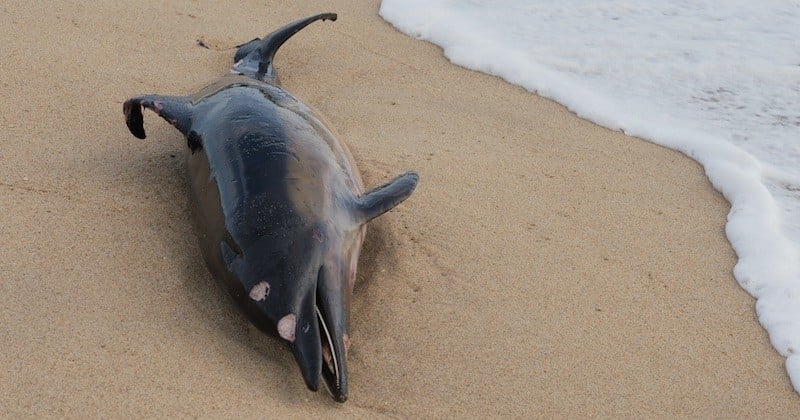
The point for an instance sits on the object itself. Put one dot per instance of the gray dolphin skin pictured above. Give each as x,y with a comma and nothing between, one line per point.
279,204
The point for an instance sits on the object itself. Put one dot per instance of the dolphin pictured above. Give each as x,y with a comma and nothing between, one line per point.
278,202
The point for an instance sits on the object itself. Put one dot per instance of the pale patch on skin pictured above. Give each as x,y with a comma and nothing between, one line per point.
260,291
346,341
286,327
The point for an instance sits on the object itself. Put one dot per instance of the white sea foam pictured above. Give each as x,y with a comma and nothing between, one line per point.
716,80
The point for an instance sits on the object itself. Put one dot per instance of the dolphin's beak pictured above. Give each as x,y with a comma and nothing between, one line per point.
321,338
307,345
334,358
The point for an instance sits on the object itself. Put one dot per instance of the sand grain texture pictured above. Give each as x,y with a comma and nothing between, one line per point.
544,267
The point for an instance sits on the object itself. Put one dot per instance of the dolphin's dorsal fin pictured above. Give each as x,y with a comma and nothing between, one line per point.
176,110
273,41
382,199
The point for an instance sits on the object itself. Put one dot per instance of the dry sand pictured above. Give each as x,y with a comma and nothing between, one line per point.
544,267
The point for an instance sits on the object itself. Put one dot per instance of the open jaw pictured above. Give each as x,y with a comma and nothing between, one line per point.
319,338
317,331
330,312
331,373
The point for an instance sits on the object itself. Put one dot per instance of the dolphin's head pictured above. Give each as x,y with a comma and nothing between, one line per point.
298,284
296,273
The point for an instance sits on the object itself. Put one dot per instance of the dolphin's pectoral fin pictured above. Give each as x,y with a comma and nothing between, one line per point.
384,198
176,110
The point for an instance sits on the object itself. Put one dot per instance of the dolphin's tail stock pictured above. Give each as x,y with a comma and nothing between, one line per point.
254,58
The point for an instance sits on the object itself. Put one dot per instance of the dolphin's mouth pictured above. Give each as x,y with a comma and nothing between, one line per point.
331,369
320,346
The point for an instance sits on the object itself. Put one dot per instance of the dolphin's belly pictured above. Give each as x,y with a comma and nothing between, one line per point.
261,170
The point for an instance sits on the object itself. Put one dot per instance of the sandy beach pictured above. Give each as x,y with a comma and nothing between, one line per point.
545,266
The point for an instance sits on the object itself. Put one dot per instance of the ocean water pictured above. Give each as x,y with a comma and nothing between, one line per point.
716,80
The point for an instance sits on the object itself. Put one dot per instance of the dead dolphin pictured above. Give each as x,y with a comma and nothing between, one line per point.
279,204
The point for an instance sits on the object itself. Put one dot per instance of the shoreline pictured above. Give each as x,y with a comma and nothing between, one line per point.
545,266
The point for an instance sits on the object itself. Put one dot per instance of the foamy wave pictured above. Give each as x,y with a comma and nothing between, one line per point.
718,81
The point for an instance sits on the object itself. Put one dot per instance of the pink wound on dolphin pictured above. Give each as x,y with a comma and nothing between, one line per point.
286,327
260,291
318,235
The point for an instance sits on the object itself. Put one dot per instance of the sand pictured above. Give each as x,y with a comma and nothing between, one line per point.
545,266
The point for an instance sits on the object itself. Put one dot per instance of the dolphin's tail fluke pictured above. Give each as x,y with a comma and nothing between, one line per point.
255,57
